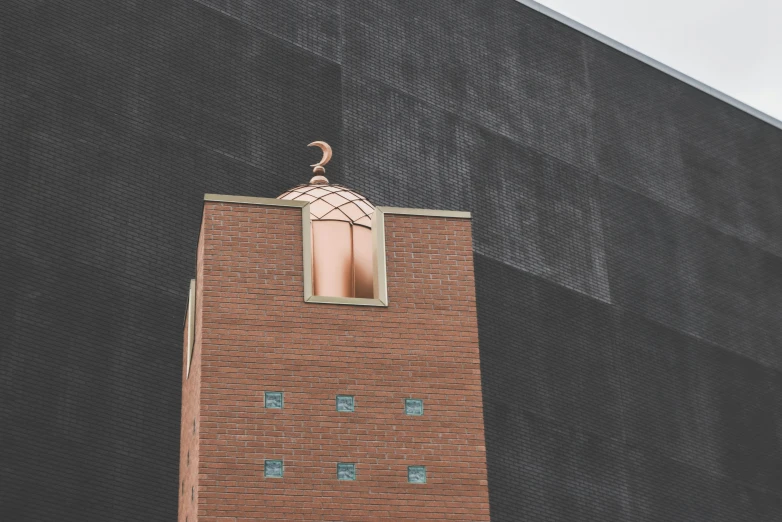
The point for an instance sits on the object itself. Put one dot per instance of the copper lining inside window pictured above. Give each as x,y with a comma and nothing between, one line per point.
342,253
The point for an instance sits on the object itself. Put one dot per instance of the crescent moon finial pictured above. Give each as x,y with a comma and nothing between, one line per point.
326,148
318,170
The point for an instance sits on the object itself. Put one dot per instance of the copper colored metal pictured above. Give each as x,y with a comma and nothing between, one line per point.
326,148
362,263
342,264
332,258
333,203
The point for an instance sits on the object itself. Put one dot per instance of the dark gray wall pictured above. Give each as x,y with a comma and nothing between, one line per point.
628,238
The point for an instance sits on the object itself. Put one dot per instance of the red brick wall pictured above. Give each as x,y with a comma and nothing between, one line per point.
188,452
259,335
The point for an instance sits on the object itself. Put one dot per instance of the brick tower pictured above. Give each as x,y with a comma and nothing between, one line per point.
299,404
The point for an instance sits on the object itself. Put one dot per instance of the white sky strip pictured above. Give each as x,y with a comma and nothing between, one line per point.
730,49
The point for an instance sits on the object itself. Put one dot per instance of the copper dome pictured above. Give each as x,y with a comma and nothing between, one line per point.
342,254
333,202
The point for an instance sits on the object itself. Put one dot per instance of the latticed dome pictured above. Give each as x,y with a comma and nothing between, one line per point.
341,234
333,202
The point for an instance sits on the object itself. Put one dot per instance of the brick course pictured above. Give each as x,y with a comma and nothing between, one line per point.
256,334
191,390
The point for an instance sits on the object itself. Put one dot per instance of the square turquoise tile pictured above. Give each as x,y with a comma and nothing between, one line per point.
345,403
273,400
346,471
414,407
272,469
416,474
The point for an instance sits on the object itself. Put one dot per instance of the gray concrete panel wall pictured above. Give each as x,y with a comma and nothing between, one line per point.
627,232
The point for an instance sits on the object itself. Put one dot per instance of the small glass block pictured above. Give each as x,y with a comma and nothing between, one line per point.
346,471
345,403
272,469
416,474
414,407
273,400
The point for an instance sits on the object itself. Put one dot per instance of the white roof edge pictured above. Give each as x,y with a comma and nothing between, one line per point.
651,61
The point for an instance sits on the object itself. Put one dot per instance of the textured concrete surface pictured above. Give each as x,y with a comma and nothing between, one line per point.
628,231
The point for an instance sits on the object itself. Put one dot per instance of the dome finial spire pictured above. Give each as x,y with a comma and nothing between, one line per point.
318,170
